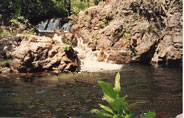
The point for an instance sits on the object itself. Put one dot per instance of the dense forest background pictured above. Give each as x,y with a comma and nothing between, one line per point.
37,10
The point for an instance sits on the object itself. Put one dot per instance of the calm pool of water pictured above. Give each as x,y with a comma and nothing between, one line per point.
74,95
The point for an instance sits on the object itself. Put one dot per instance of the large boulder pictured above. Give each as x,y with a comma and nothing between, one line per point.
37,53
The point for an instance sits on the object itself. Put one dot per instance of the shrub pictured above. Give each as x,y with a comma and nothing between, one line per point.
118,107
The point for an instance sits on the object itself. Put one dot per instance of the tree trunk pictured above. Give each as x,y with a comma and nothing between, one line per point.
65,3
88,2
96,2
69,7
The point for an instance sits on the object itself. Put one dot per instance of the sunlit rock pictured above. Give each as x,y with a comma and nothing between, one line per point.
179,116
42,54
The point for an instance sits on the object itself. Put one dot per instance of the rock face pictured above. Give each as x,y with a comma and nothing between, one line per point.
130,31
169,50
42,53
179,116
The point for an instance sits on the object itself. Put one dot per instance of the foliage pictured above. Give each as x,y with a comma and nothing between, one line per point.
126,32
78,5
5,63
4,32
67,48
118,107
104,23
67,41
36,10
18,20
31,9
69,45
31,31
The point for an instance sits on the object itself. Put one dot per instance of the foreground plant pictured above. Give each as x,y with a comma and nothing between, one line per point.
118,107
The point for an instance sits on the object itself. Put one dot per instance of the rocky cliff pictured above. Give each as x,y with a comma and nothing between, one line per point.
134,31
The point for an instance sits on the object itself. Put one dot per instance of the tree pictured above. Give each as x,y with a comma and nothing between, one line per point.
69,7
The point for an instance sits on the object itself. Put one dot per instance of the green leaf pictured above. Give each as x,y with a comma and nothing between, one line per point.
117,86
130,116
125,107
106,108
149,115
124,98
117,116
107,89
109,99
94,111
101,113
117,105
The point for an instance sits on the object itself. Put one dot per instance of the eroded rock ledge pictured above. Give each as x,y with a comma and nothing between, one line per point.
43,53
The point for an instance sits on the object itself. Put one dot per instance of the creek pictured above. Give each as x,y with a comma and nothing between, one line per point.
73,95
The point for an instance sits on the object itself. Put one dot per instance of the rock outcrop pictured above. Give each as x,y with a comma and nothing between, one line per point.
37,53
133,31
179,116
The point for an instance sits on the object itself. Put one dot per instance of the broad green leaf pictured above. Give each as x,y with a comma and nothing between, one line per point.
117,116
101,113
122,115
125,107
130,116
149,115
117,105
104,114
124,98
109,99
106,108
96,111
117,86
107,89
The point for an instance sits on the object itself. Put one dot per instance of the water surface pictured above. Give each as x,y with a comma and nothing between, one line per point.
74,94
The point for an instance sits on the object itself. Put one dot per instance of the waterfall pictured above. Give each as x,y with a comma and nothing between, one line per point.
49,25
66,27
52,24
90,59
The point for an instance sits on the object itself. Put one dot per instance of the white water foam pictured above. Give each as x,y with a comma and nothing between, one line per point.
89,59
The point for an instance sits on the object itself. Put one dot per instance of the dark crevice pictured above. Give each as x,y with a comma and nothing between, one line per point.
147,56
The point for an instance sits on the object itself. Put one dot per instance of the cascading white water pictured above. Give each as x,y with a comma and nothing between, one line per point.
89,59
48,25
42,25
52,24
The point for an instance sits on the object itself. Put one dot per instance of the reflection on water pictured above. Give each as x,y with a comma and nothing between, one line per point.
74,95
